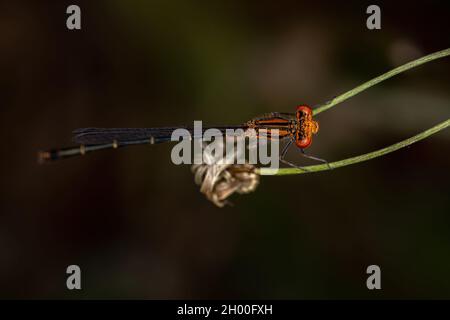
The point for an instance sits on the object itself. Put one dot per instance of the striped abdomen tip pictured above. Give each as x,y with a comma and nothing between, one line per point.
46,156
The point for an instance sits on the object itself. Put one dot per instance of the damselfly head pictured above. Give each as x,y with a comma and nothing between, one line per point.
306,126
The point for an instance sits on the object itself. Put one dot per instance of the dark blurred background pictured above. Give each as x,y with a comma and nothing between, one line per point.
138,226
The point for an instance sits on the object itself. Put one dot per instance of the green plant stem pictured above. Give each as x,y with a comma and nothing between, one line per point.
378,153
360,158
387,75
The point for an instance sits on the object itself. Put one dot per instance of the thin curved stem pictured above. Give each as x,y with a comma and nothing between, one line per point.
360,158
385,76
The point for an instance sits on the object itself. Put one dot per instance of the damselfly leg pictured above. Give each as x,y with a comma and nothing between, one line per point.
285,150
315,158
283,154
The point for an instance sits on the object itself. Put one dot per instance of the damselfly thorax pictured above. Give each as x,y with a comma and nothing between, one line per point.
299,127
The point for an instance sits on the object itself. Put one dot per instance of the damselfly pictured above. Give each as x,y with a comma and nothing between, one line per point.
297,128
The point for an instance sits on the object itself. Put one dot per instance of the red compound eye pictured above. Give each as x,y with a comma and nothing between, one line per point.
304,109
303,143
